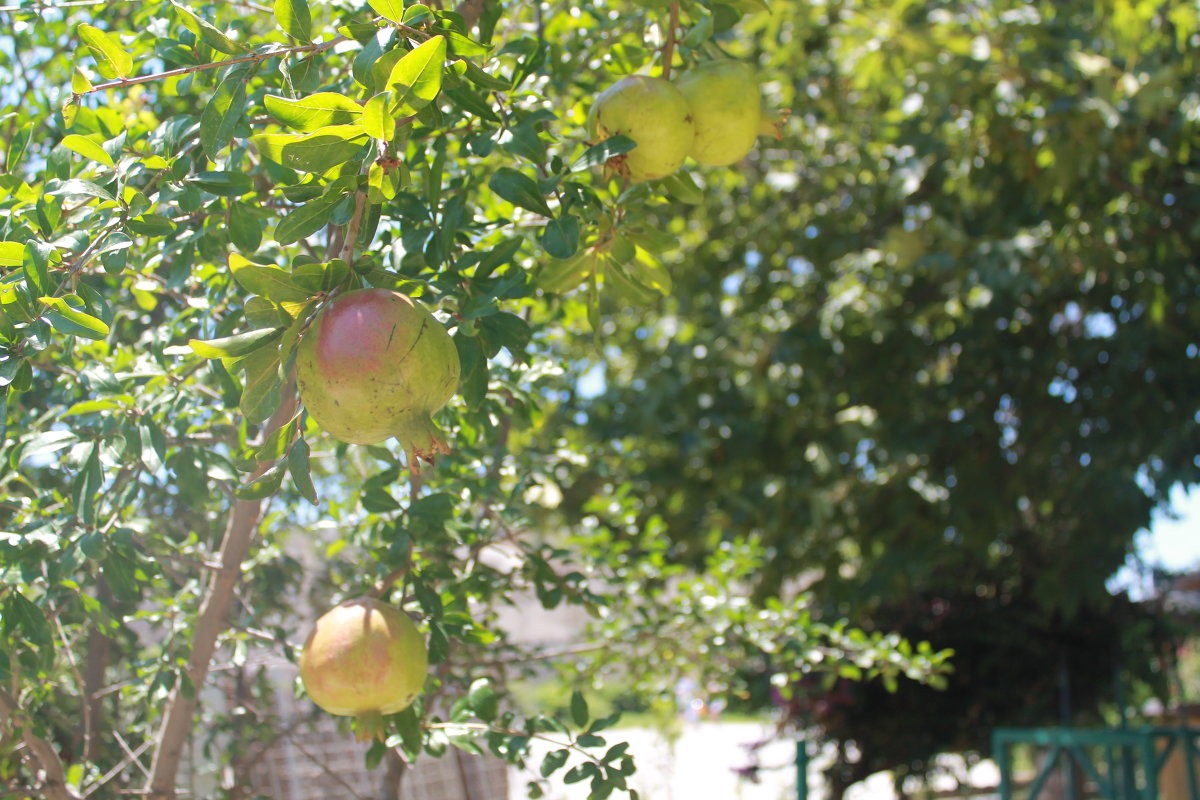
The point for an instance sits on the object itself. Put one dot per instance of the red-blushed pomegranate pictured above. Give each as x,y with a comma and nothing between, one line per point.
364,659
651,112
726,110
374,364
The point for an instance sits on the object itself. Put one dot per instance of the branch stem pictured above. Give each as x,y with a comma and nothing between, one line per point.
669,47
210,622
121,83
54,777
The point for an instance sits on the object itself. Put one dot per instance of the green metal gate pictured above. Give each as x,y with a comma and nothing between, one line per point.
1121,763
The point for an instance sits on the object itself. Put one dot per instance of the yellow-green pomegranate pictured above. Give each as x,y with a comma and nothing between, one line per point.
364,659
374,364
726,110
651,112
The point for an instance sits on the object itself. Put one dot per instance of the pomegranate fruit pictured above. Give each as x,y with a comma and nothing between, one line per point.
364,659
374,364
651,112
726,110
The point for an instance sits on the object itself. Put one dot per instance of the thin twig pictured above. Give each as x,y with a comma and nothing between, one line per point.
121,83
669,47
131,757
68,4
360,205
483,726
87,705
324,767
243,522
54,781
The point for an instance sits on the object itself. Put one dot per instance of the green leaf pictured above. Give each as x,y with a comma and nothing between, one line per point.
69,111
208,33
304,221
152,225
560,237
324,148
79,82
223,112
418,14
222,183
561,277
22,611
266,281
78,186
599,153
298,468
294,19
87,148
390,9
554,761
579,708
473,380
376,121
681,187
617,277
483,699
485,80
314,111
237,345
520,190
578,773
245,230
12,254
112,61
464,46
472,102
646,270
417,78
105,404
69,320
48,442
85,486
264,485
261,392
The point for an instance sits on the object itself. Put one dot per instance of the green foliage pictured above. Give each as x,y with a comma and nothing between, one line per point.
185,186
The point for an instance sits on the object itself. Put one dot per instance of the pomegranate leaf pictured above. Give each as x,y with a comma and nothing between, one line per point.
298,468
560,237
579,708
294,19
112,61
261,393
417,77
483,699
304,221
601,152
314,111
264,485
390,9
267,281
520,190
223,112
232,346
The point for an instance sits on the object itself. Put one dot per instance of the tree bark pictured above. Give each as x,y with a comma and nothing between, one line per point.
471,11
99,646
235,545
54,778
393,776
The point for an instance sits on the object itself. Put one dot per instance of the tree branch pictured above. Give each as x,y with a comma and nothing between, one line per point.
211,621
120,83
54,780
669,47
471,11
